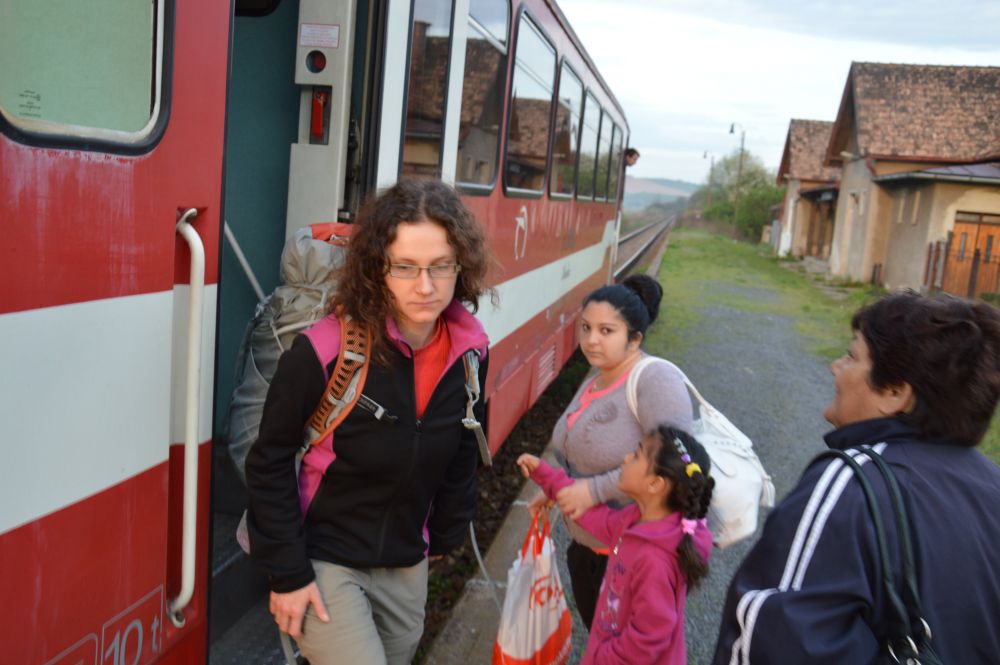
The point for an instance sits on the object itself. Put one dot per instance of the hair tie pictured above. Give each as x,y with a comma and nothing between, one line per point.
692,468
690,526
685,457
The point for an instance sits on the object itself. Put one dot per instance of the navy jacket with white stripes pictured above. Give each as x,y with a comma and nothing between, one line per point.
811,588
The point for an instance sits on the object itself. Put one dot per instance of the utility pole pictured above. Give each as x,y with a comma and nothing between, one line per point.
739,169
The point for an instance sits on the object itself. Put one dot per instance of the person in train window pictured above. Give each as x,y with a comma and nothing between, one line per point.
598,429
631,156
346,545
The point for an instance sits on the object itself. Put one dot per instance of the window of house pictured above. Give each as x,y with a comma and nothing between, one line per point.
616,163
963,239
430,47
989,249
588,148
482,93
901,200
530,109
81,69
566,146
916,208
977,217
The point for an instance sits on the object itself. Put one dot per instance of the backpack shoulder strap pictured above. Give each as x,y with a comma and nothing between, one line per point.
344,386
472,391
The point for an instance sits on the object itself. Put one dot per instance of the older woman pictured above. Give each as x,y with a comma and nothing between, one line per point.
345,545
598,429
919,383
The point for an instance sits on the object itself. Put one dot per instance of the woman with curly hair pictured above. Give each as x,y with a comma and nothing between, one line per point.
345,544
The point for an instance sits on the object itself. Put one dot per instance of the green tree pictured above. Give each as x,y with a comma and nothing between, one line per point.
736,194
755,209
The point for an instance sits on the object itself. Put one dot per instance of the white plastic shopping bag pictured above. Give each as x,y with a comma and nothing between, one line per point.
535,624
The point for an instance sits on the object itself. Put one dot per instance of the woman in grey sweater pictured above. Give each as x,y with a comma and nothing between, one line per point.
598,429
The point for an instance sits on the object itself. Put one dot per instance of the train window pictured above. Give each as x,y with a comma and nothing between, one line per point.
616,163
77,69
588,148
603,158
482,103
569,108
430,48
531,103
492,17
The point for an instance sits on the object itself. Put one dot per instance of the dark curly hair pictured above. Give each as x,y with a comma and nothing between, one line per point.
947,349
690,495
361,290
637,299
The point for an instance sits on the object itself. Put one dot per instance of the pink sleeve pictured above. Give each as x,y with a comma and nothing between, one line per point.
550,479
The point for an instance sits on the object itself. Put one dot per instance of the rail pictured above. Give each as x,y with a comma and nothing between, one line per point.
190,502
639,243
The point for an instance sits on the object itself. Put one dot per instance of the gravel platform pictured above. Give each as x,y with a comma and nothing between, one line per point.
754,368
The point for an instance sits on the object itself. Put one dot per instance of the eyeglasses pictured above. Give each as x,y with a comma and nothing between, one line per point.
436,271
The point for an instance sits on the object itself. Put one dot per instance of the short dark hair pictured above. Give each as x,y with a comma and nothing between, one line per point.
629,152
947,349
637,299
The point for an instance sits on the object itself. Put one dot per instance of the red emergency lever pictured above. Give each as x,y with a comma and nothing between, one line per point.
318,103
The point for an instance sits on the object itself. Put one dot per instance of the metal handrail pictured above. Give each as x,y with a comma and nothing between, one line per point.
191,414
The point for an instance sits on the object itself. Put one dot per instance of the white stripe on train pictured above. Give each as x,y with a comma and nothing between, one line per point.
91,397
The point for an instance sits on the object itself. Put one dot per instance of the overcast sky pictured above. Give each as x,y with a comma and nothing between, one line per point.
684,70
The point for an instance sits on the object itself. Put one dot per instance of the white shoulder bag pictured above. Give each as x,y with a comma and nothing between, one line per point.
741,483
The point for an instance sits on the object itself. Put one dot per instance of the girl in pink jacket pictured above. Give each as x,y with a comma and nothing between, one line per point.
659,547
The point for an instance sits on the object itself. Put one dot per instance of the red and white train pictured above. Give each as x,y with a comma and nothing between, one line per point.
131,134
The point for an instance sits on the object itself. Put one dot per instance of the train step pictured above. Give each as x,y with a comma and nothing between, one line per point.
251,640
240,628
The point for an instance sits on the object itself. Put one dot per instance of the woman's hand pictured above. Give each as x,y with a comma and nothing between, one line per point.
528,464
540,502
290,608
574,500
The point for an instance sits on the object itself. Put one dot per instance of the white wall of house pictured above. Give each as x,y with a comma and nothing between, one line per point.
911,223
789,219
850,227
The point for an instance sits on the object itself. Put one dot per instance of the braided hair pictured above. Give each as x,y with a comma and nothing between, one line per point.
682,460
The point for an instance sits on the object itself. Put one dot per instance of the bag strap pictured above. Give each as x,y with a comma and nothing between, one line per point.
632,385
910,592
343,390
905,612
537,533
472,391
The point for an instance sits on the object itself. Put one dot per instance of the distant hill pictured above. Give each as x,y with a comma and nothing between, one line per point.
643,192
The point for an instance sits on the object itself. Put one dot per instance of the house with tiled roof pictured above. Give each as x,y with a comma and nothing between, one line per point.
918,194
811,190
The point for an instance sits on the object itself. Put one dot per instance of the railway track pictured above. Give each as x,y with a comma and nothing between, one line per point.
638,244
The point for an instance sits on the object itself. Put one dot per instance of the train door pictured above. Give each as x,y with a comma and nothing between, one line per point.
111,142
299,146
318,116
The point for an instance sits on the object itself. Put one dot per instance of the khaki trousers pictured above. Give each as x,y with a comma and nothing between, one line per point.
376,615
